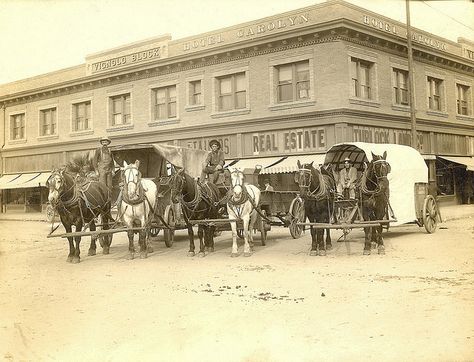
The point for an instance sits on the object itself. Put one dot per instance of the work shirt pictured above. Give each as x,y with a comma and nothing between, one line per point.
215,158
348,176
103,161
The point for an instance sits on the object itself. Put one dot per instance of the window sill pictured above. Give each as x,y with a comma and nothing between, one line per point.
47,138
400,107
17,142
81,133
364,102
437,113
461,117
163,122
122,127
235,112
197,107
289,105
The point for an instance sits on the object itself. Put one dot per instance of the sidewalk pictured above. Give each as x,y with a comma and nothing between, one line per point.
451,212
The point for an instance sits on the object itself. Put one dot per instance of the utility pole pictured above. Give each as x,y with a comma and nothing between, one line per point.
411,81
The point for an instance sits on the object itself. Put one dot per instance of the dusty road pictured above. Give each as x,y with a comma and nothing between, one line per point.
415,303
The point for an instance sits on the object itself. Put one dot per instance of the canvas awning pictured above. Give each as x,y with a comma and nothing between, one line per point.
462,160
290,163
24,180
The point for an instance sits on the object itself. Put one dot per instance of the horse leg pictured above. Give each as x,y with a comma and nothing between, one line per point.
380,246
142,243
235,247
201,240
321,246
314,244
149,247
367,244
93,246
210,245
328,240
131,247
253,219
72,250
191,240
77,239
246,221
106,239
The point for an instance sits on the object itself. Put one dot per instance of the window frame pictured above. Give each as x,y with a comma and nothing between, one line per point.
357,86
41,111
233,94
111,115
74,105
293,82
13,116
166,104
397,90
468,94
434,83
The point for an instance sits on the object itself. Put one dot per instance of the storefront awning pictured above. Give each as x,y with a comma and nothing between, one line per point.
254,162
466,161
24,180
290,163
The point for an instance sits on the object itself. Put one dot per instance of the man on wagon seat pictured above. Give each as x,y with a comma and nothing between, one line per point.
347,179
214,162
103,162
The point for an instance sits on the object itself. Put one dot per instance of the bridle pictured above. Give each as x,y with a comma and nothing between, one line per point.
60,190
383,170
306,178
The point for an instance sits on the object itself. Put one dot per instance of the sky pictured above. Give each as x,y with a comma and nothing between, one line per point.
40,36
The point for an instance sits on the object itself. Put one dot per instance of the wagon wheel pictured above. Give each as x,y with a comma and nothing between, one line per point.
49,213
263,230
297,215
168,233
430,214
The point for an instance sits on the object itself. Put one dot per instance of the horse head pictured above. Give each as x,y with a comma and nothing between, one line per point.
237,181
58,184
132,178
307,178
177,182
377,172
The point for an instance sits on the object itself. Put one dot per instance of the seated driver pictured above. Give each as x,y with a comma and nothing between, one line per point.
214,162
347,179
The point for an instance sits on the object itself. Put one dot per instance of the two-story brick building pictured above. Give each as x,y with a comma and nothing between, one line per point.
276,89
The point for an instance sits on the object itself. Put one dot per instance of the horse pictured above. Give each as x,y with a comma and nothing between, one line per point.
317,191
137,206
199,201
375,199
241,205
78,205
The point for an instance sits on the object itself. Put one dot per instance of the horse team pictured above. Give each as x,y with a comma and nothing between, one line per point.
81,203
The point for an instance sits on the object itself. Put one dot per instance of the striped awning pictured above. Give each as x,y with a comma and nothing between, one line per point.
290,163
462,160
24,180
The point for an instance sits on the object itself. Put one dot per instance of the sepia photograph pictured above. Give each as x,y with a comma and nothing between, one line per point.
237,181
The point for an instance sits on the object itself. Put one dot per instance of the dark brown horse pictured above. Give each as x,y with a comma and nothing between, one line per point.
78,204
375,199
317,191
199,201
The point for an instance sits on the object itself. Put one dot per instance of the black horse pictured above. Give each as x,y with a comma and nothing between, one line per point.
78,203
199,201
375,199
317,191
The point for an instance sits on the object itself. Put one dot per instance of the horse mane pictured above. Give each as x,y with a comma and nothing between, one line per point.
79,164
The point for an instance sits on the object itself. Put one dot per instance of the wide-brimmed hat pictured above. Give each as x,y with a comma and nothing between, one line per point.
347,159
105,139
214,142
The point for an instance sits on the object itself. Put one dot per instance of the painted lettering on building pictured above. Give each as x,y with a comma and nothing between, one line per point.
423,39
469,53
203,144
379,24
298,140
283,23
384,135
128,59
203,42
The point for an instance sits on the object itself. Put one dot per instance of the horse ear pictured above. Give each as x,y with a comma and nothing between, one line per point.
384,156
299,164
373,156
125,164
137,163
311,164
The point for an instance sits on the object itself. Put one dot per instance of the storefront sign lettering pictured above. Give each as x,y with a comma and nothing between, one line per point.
203,42
203,144
128,59
308,139
379,24
272,25
384,135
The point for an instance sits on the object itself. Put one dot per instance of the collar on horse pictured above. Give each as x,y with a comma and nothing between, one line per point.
319,193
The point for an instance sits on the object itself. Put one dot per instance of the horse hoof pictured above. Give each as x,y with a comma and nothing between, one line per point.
234,255
247,254
131,256
322,252
149,249
106,250
69,259
313,253
191,253
381,250
91,252
328,246
374,246
366,252
76,260
143,255
201,254
211,250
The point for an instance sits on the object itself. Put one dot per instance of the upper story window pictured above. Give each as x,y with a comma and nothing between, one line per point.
400,86
165,102
17,126
195,92
293,82
361,78
81,113
232,92
434,93
463,95
48,122
120,109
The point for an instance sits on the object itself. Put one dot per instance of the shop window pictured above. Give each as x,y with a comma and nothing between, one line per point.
81,116
17,126
195,93
400,86
444,178
434,93
48,122
120,110
361,78
293,82
165,102
232,92
463,94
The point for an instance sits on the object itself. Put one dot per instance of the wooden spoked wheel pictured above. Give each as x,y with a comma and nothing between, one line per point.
430,214
168,232
296,214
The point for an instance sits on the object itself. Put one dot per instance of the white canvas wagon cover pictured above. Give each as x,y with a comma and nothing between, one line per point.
407,168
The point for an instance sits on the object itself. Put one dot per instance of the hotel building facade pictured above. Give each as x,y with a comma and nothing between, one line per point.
272,90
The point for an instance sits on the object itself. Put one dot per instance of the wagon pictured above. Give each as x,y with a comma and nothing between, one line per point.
409,202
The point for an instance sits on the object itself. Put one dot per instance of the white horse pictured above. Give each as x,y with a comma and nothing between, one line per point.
136,206
241,205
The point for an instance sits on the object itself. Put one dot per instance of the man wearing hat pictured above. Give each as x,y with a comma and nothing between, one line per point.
103,162
214,162
347,178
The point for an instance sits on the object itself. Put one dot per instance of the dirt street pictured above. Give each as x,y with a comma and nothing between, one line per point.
415,303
